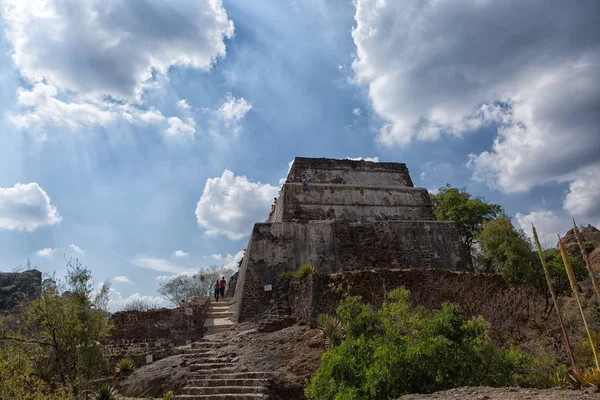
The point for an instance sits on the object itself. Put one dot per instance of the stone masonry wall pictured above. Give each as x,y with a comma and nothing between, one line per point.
486,295
363,173
332,247
352,203
165,324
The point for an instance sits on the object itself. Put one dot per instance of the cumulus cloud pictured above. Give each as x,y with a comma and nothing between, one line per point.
233,110
112,47
179,128
26,207
547,224
230,205
184,104
232,261
47,252
116,301
583,199
122,279
216,257
76,249
526,68
40,107
371,159
180,254
356,111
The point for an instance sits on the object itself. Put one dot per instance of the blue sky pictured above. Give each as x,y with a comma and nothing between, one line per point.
147,137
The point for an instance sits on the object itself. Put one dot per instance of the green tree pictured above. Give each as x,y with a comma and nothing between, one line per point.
186,287
508,252
470,213
402,348
61,333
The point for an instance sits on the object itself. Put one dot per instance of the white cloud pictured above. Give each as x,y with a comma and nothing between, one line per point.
434,68
160,265
47,252
547,224
184,104
122,279
232,111
102,51
230,205
232,261
76,249
179,128
117,301
216,256
180,254
26,207
340,67
112,47
356,111
371,159
583,199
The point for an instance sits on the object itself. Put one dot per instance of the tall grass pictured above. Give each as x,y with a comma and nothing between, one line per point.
588,264
554,300
573,282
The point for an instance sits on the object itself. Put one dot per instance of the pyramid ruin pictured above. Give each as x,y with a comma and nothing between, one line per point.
352,215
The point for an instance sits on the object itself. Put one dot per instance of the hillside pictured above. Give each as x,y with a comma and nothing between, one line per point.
16,286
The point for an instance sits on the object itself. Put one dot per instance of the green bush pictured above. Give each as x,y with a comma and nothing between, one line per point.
401,349
124,367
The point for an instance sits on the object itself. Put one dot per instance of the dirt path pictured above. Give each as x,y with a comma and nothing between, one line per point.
487,393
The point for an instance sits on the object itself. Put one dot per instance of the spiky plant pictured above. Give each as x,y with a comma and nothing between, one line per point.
332,327
304,270
554,300
588,264
124,367
573,282
168,395
106,392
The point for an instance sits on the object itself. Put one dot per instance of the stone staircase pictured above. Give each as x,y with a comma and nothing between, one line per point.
216,377
217,318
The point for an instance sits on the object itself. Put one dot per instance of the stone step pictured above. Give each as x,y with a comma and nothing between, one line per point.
223,389
218,322
216,329
210,366
234,375
228,382
200,350
219,314
229,396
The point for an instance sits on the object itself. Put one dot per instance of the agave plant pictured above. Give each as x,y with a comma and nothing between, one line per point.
304,270
106,392
124,367
332,327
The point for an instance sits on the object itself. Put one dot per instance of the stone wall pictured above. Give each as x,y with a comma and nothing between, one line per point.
332,247
164,325
352,203
363,173
484,295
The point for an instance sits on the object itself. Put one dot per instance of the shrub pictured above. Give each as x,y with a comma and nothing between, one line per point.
124,367
401,349
106,392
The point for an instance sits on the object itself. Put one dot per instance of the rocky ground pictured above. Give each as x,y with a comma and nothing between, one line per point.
487,393
292,354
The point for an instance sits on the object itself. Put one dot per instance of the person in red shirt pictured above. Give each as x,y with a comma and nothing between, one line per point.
223,283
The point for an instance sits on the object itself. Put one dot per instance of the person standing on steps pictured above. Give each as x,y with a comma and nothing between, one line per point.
217,290
223,283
